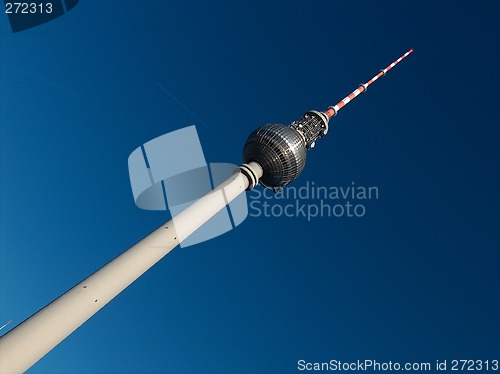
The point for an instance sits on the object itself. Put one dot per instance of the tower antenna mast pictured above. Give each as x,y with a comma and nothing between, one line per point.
333,110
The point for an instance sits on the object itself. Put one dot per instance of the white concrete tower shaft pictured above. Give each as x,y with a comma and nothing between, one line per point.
23,346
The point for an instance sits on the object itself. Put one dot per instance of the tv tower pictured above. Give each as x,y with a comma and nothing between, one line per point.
274,155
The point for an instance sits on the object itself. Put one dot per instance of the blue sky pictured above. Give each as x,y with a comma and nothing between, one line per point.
415,279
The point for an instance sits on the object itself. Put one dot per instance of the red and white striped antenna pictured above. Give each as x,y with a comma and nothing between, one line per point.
333,110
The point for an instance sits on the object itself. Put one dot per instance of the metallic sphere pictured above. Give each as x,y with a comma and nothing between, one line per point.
280,150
